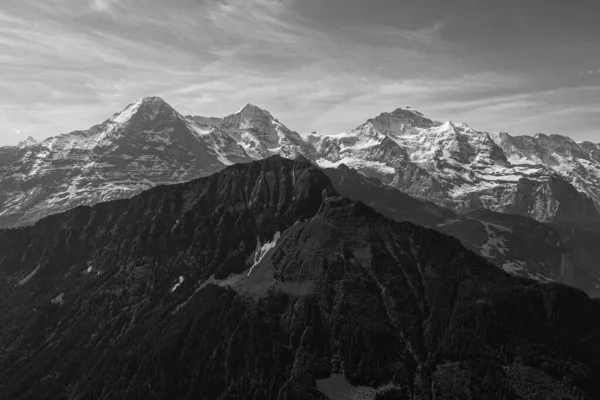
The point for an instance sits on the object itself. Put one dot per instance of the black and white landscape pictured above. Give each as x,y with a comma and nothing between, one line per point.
288,277
325,244
528,205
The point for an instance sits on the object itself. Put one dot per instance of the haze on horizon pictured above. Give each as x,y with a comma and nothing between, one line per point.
516,66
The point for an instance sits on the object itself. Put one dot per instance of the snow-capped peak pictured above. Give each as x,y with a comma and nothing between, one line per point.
127,113
251,109
150,107
27,142
554,138
406,109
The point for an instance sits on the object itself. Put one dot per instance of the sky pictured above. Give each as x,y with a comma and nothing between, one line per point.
520,66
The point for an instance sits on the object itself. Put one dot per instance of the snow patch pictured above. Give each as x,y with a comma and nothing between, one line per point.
28,277
72,190
59,299
514,266
261,251
357,164
181,279
200,130
127,113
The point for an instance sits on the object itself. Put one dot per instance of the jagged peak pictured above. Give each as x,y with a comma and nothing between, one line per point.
147,105
447,126
30,141
554,138
588,143
151,100
405,109
250,108
404,113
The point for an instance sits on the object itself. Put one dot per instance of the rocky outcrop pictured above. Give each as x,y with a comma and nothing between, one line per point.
577,163
550,199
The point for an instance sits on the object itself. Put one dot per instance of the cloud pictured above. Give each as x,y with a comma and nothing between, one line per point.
103,5
324,65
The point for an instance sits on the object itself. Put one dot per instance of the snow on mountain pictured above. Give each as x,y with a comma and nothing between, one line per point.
495,179
258,132
465,169
27,142
547,177
146,144
576,163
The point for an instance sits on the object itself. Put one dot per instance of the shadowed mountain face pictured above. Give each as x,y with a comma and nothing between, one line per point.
539,183
518,244
260,282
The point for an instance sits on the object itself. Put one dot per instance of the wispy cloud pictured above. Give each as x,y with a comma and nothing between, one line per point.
68,64
103,5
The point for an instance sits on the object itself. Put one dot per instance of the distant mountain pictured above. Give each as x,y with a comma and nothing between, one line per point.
146,144
258,132
544,186
262,282
551,179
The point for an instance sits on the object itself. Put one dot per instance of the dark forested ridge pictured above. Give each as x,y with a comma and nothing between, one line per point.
154,298
559,252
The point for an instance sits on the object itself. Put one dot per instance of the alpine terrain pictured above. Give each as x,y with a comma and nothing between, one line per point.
549,178
527,204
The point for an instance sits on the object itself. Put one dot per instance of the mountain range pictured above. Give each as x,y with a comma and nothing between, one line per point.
262,281
549,178
528,204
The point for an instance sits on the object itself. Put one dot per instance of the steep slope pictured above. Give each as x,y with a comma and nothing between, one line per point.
577,163
258,132
146,144
548,178
518,244
158,297
464,169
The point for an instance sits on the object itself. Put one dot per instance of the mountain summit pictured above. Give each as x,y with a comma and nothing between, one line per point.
253,110
548,177
146,144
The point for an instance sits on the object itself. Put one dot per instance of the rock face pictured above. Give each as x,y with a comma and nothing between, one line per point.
548,178
258,132
145,145
475,174
261,282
